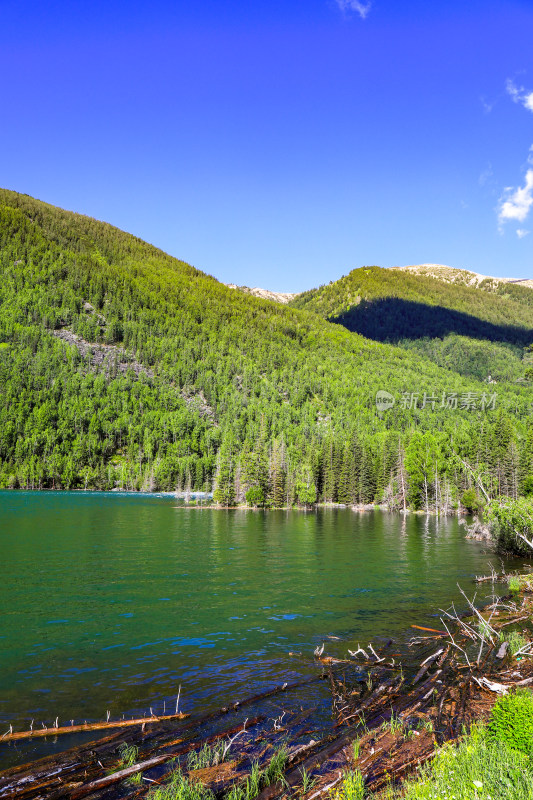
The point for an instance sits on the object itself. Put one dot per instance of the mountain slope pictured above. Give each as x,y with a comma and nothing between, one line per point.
476,327
124,367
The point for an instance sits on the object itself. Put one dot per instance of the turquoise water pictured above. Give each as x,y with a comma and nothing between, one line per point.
111,602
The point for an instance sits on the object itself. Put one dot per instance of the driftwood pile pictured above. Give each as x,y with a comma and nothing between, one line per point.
387,715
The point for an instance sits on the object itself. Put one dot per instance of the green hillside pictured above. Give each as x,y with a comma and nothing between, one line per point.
122,367
477,331
508,307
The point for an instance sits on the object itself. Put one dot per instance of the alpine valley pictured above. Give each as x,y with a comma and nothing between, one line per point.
124,368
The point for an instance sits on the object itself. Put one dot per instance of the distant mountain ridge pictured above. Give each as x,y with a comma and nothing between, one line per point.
264,294
465,276
440,272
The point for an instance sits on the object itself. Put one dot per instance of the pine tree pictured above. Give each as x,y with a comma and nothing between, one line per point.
277,475
224,493
304,487
328,471
345,492
367,482
526,464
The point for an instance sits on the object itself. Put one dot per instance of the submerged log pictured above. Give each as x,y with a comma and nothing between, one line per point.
101,783
294,777
426,665
54,777
431,630
88,726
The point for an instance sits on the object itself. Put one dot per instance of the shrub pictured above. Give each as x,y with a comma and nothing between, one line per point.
471,501
521,583
511,721
275,769
527,485
128,757
512,520
255,497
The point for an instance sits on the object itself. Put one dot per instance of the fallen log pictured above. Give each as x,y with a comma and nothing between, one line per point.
89,788
192,719
525,682
426,665
492,578
189,745
513,621
56,758
30,781
216,774
87,726
326,788
493,686
294,777
381,779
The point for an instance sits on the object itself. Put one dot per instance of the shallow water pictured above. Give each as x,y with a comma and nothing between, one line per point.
111,602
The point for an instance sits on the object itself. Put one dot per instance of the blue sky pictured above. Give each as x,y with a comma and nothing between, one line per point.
280,144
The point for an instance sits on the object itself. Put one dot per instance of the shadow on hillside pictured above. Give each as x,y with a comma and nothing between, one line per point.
391,319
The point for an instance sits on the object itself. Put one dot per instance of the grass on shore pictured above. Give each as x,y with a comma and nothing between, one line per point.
478,767
521,583
491,762
181,788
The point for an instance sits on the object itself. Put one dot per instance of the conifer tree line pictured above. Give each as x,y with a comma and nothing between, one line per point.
121,367
423,471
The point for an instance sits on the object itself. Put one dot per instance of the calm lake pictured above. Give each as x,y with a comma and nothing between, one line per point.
111,601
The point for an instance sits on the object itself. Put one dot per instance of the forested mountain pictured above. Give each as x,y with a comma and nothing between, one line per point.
123,367
474,325
393,304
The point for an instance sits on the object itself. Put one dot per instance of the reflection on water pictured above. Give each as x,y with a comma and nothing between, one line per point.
113,602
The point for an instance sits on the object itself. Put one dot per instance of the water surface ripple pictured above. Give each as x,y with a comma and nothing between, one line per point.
112,601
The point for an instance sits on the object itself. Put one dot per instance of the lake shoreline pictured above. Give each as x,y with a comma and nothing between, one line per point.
209,505
407,712
209,495
151,600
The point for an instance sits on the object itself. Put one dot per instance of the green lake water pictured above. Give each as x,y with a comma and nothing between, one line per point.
111,601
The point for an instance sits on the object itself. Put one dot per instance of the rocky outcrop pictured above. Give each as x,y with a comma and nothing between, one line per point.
108,358
461,276
265,294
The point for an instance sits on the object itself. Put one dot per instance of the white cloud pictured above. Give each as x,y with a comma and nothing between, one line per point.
516,203
361,8
520,95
